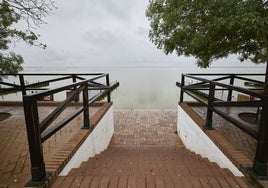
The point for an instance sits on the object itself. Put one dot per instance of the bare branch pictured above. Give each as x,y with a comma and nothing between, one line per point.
32,11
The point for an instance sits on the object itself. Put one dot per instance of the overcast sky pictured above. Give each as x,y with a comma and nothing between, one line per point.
88,33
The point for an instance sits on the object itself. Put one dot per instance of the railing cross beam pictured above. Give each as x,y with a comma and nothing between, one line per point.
260,165
38,132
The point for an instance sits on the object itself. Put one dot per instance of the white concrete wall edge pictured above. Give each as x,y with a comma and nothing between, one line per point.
96,142
198,142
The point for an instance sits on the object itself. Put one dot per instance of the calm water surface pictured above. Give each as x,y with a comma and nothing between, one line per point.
141,87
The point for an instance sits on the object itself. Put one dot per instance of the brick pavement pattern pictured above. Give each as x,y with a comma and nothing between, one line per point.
14,151
237,137
146,152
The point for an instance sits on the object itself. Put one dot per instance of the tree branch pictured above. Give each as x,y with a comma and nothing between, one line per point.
32,11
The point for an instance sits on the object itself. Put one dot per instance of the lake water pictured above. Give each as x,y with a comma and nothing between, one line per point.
143,87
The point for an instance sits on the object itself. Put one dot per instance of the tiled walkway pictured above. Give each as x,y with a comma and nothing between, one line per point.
240,139
145,129
146,152
14,155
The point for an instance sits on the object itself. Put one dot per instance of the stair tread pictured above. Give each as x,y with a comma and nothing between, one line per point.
158,161
148,181
145,152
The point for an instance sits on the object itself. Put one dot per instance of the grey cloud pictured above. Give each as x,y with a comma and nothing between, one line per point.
117,9
56,55
104,10
87,31
142,31
102,38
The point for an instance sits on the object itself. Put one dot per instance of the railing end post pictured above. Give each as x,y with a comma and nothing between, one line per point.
108,84
260,169
181,86
38,183
86,123
260,165
208,125
38,169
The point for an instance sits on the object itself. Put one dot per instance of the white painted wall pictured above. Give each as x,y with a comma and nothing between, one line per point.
198,142
96,142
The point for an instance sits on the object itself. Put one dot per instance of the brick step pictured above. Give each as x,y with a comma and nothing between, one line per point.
134,159
148,181
150,161
84,165
171,152
150,170
162,154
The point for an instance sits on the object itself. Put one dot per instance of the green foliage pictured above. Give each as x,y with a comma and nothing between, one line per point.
11,12
210,29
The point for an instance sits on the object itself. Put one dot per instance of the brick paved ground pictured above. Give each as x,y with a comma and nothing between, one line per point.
146,152
145,129
14,155
150,133
240,139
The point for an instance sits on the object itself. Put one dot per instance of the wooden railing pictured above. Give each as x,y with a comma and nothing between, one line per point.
39,131
203,90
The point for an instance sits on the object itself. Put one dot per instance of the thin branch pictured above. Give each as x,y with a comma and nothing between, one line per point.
32,11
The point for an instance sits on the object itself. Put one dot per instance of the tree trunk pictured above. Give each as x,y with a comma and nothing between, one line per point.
260,165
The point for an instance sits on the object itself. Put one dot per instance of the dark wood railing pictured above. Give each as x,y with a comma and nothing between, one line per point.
204,92
38,132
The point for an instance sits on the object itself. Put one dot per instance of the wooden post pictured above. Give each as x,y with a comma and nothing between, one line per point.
86,108
22,85
76,99
182,84
260,165
230,92
38,170
108,84
208,124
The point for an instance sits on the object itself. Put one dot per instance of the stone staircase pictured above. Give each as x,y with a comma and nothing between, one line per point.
145,152
149,167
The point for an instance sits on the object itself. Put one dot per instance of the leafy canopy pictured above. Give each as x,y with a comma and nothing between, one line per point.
210,29
11,12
